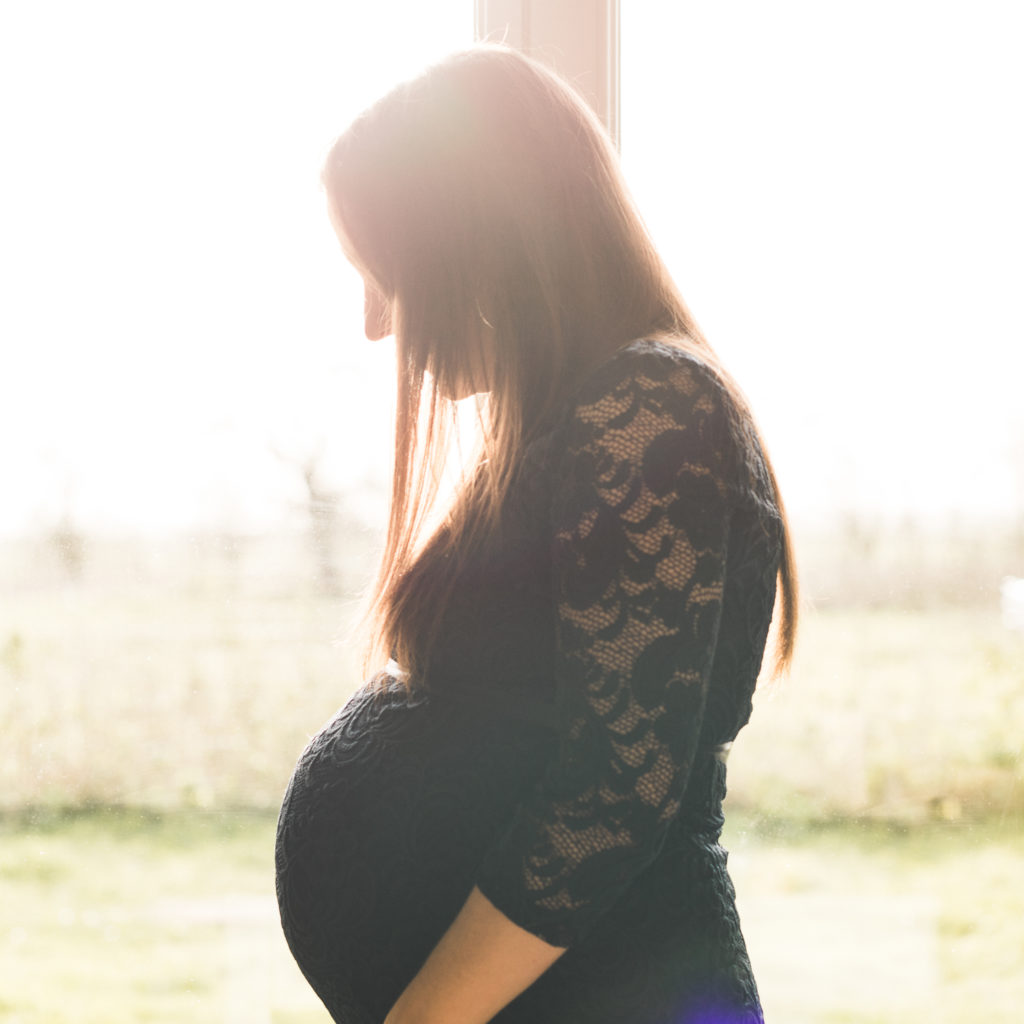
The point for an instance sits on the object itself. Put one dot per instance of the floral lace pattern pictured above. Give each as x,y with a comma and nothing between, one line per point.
561,754
641,526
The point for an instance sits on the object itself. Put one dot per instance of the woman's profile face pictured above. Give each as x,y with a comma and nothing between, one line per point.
378,323
376,312
376,305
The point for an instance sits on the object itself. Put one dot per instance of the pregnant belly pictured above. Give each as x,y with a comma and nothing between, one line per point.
386,819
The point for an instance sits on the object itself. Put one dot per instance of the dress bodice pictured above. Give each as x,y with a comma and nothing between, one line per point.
626,602
561,753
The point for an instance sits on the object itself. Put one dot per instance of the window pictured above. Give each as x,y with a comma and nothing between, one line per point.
836,189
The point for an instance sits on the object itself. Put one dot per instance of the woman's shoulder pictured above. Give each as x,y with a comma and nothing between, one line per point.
657,400
659,376
646,390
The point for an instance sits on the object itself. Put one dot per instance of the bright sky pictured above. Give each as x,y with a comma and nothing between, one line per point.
837,187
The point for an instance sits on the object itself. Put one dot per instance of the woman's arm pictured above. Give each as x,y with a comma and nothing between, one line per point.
482,963
640,525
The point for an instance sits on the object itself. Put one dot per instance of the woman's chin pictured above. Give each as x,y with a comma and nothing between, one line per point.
461,394
459,390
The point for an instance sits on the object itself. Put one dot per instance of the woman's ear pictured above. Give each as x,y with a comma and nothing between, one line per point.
376,313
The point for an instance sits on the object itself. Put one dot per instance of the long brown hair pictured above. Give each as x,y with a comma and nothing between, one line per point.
484,200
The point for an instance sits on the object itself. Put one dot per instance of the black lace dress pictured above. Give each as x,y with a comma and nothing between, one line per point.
566,754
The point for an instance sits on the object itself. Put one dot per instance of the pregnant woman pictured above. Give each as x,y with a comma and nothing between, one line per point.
517,818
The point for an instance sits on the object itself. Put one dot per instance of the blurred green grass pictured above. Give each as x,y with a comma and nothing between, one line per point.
131,916
163,698
153,705
167,697
893,713
126,916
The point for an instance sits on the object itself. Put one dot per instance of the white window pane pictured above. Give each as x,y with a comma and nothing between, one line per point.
174,301
837,187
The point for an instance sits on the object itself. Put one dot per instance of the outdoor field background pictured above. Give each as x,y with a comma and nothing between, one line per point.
152,709
194,444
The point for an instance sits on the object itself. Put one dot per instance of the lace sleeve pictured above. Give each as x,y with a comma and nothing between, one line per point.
640,521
